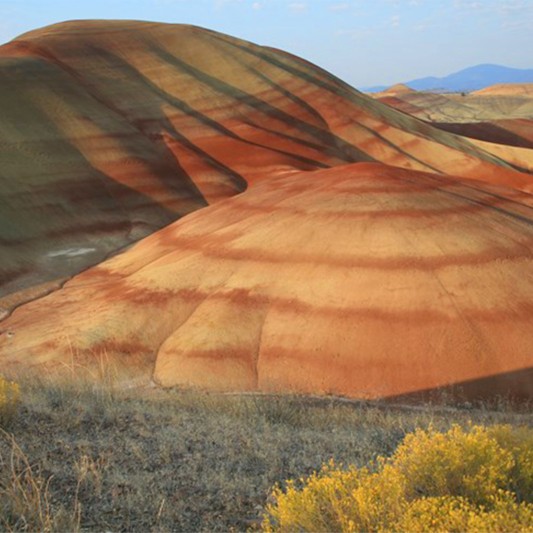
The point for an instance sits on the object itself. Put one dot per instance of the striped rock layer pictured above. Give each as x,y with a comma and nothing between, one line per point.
364,280
331,243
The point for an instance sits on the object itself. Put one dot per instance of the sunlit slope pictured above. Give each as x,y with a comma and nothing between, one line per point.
514,89
111,129
365,280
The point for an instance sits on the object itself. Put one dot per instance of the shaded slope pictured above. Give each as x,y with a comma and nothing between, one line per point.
511,132
77,181
508,139
112,129
341,281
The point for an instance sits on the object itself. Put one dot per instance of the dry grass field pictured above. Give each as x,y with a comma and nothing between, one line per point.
101,459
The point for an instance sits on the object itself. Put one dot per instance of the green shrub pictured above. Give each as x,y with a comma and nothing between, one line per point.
479,479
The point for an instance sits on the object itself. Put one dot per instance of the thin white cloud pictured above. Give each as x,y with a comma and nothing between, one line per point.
518,8
356,34
297,7
220,4
339,7
510,13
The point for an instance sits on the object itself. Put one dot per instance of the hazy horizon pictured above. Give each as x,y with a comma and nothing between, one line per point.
366,43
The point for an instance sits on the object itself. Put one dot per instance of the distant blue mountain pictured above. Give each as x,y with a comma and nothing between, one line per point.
469,79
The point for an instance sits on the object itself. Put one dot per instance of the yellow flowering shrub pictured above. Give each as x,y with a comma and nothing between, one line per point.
462,480
519,441
9,399
457,463
449,513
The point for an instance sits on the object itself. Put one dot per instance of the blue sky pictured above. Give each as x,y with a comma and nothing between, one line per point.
365,42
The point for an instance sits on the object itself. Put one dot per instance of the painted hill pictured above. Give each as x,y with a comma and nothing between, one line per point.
371,254
363,279
468,79
395,90
514,89
113,129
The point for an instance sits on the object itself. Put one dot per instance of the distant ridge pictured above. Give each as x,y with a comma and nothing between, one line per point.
466,80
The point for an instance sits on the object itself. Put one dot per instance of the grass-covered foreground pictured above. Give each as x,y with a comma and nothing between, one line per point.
151,460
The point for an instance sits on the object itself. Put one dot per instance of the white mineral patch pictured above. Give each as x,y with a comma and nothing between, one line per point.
71,252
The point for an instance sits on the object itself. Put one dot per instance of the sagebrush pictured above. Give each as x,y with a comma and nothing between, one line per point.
473,479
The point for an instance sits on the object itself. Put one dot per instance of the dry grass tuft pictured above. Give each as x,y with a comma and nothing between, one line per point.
25,500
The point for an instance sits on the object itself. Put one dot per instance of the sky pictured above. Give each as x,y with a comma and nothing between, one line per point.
364,42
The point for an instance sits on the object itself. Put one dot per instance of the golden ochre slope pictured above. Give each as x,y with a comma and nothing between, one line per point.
365,280
351,264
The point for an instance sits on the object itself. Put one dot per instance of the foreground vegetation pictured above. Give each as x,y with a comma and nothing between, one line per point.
149,460
476,480
9,400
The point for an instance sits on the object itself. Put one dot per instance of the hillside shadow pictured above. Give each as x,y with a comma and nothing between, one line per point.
485,131
342,149
514,387
166,126
166,157
66,203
